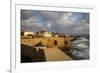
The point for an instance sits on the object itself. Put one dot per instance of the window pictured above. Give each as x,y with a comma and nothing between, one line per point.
55,42
65,42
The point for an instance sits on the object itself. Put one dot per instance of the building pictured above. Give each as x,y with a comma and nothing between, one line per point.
48,42
43,34
28,33
49,39
47,34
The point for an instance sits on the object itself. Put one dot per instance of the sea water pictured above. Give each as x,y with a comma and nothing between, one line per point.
80,48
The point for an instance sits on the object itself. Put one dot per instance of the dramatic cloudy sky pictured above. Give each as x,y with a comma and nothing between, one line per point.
67,22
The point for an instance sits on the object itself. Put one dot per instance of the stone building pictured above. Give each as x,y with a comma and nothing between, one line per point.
49,39
48,42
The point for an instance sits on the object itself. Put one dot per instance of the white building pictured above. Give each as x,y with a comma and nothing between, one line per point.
28,33
47,34
56,35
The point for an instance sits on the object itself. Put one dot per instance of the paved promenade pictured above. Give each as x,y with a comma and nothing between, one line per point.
54,54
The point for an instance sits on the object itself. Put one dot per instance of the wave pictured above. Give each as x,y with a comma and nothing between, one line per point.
80,48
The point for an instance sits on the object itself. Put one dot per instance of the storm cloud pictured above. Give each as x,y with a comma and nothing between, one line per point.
67,22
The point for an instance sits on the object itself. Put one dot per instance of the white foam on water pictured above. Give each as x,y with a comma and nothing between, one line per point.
80,48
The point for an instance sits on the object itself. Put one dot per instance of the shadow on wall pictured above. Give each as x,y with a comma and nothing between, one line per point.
29,54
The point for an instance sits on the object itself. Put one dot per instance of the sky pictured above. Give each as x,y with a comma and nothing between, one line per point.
65,22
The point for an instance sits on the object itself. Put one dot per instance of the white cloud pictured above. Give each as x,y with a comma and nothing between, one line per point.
65,19
82,28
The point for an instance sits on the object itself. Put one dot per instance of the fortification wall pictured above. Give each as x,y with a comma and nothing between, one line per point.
49,42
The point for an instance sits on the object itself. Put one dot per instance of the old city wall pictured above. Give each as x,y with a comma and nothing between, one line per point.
49,42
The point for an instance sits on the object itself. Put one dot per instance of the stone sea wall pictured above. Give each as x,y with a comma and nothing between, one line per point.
48,42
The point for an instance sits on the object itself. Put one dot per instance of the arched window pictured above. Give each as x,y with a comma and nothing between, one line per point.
55,42
65,42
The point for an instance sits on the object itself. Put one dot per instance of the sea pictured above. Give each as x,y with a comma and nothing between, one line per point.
80,48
